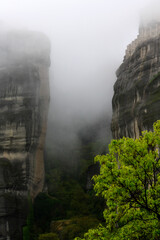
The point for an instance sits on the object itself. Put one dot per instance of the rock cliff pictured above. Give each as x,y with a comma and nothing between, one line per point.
137,89
24,99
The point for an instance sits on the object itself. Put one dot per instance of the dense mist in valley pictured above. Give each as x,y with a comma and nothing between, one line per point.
88,41
49,141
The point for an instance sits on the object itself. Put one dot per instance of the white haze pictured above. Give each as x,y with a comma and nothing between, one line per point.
88,39
151,12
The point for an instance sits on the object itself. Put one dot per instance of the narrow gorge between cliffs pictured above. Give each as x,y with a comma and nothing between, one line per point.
62,101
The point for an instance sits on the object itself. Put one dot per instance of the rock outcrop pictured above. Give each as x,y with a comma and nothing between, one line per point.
24,100
137,89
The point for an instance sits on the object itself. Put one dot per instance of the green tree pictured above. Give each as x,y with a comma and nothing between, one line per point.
129,181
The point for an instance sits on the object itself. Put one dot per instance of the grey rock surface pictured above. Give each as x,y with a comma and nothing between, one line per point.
24,101
136,97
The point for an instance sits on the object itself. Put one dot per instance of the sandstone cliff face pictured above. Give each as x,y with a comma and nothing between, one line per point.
137,89
24,97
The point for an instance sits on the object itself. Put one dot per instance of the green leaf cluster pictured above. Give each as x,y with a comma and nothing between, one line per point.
129,181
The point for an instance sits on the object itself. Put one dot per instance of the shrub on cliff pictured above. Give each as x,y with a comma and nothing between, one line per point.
48,236
129,181
77,226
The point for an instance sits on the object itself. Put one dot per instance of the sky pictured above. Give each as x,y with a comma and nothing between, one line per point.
88,41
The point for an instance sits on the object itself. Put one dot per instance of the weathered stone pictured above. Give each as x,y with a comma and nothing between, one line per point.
137,90
24,98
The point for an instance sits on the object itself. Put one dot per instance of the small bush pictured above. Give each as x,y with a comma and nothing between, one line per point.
48,236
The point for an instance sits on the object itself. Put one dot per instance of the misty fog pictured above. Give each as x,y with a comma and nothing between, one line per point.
88,40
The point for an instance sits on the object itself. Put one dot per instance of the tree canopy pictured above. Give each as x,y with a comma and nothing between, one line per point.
129,181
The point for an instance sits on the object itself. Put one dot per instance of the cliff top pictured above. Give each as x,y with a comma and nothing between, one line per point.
16,45
146,31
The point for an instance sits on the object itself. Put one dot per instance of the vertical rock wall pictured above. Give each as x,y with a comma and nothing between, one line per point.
24,100
137,89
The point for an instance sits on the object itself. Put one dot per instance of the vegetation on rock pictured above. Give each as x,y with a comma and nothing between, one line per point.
129,181
48,236
69,206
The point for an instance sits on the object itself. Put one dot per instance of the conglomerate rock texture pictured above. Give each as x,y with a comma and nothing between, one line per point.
24,100
136,100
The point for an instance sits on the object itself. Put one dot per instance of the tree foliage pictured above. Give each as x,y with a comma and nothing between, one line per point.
129,181
28,230
48,236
